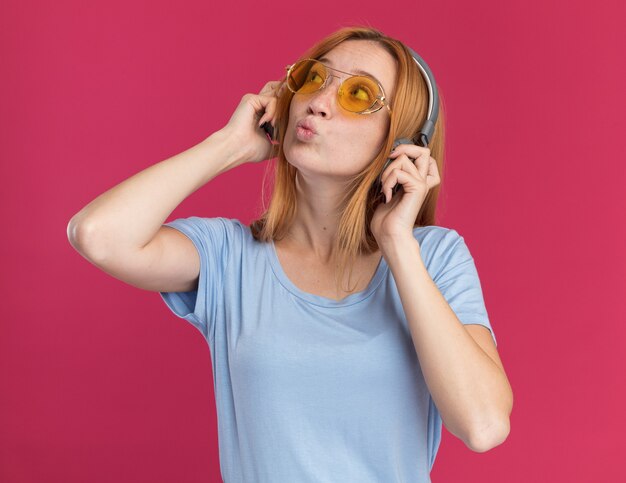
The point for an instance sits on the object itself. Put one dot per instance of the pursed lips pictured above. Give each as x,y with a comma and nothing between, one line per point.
308,125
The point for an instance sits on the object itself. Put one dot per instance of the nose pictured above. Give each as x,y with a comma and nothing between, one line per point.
323,101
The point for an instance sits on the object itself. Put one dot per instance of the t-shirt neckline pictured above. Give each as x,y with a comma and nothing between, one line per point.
379,275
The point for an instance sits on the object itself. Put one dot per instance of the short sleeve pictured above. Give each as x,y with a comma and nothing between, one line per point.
455,274
210,236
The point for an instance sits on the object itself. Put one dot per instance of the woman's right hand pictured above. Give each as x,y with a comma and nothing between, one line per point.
244,125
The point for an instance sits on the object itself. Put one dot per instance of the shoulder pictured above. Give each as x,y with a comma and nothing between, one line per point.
214,230
214,223
441,247
436,237
237,233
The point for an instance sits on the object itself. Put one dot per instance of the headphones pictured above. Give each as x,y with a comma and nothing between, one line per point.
424,136
425,133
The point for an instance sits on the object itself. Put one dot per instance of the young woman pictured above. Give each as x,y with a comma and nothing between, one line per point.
344,325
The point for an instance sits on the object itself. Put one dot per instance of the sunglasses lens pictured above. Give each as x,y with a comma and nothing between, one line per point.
306,76
358,93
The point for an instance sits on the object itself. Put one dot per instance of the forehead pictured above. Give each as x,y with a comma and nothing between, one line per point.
364,55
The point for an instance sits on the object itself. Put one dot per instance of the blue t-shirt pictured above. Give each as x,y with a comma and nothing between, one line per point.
311,389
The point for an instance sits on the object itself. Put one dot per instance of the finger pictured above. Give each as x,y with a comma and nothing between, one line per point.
433,178
392,180
397,176
411,150
419,153
271,85
403,162
407,172
259,99
423,165
261,104
270,107
271,88
281,89
270,111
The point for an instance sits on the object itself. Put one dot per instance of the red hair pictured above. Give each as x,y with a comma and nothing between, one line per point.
409,111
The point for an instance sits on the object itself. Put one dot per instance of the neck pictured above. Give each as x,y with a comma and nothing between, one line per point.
317,217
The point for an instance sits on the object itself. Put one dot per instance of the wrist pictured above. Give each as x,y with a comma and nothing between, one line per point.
395,249
228,147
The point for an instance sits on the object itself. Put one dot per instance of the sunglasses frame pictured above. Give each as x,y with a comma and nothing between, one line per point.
380,101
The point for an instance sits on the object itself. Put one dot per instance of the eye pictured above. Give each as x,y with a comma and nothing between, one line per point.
314,77
362,93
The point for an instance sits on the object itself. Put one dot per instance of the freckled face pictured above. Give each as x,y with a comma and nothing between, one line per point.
345,142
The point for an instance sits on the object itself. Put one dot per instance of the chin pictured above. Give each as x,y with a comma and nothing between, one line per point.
299,154
304,163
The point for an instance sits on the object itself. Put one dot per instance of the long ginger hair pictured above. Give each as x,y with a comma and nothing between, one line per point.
409,111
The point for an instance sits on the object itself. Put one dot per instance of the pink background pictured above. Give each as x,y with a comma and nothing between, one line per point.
99,382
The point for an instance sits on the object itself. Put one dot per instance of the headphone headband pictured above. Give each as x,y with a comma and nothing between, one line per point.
426,131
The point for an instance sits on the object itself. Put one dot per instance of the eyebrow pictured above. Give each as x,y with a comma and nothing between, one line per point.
357,71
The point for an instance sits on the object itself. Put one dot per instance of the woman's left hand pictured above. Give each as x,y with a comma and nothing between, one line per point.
417,172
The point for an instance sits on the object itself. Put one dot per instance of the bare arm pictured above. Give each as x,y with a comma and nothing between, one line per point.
128,216
467,382
122,232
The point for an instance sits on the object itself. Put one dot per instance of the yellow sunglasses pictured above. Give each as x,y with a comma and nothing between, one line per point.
357,93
